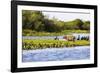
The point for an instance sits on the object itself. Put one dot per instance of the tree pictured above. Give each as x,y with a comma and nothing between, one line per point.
49,25
37,21
33,20
86,25
78,23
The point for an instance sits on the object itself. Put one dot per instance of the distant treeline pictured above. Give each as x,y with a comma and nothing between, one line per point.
37,21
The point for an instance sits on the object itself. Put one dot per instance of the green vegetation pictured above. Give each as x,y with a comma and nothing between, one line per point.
35,23
42,44
35,33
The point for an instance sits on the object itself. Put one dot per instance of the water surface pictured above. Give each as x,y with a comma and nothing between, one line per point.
56,54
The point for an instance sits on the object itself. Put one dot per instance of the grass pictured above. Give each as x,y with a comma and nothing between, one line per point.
64,32
42,44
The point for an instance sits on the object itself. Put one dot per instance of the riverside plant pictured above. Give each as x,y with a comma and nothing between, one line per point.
42,44
43,33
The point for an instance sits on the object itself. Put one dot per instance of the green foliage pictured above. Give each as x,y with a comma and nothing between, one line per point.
42,44
86,25
36,21
33,20
76,24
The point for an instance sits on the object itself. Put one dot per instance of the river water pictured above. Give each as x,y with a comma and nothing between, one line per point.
60,37
56,54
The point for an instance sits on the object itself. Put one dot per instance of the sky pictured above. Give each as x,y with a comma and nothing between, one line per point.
67,16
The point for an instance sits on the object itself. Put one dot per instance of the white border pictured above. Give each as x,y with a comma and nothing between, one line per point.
53,63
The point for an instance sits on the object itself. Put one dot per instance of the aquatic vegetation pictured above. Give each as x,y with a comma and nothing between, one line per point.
42,44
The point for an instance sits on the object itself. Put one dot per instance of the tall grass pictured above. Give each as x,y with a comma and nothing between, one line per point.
42,44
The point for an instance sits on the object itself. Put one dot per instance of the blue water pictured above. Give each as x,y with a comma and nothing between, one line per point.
56,54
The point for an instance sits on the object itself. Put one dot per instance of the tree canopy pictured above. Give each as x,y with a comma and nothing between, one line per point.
37,21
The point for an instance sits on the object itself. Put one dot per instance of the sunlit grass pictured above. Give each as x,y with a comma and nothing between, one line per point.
64,32
42,44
